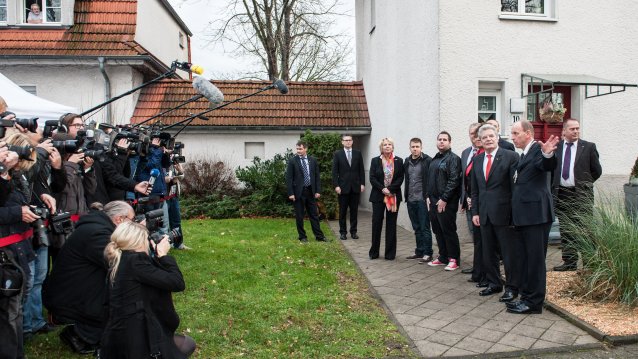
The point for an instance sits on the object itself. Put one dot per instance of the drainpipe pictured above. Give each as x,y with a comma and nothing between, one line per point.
107,89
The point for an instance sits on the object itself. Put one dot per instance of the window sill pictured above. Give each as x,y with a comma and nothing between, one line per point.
527,18
36,26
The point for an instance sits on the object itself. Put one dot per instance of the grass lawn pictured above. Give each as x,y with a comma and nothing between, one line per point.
254,291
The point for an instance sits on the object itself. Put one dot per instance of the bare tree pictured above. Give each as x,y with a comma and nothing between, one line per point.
291,39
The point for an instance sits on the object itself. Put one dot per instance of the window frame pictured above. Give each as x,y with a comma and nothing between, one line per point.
44,10
497,103
550,12
533,114
6,12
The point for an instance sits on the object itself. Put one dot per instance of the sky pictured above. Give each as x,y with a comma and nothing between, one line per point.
197,14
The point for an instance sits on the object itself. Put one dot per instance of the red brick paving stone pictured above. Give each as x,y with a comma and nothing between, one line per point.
517,341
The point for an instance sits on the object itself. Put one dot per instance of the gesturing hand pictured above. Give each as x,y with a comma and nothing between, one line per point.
551,144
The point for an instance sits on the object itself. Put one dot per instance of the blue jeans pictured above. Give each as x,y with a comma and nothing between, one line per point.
418,213
33,319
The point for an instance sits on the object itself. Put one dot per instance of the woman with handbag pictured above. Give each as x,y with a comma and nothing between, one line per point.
142,318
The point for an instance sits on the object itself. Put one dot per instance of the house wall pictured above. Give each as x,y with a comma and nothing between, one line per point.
80,86
158,32
475,45
398,65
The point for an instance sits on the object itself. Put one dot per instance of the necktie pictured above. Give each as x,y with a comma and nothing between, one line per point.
567,160
349,153
488,167
306,173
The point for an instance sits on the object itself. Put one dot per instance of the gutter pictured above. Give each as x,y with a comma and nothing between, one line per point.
107,89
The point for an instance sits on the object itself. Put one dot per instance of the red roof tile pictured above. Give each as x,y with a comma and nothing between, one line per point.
307,104
101,28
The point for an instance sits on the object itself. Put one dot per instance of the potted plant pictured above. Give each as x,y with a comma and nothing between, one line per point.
631,191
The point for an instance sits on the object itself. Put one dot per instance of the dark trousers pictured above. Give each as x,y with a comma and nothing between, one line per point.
508,240
348,201
418,212
378,212
444,228
11,345
307,204
90,334
478,270
572,207
532,252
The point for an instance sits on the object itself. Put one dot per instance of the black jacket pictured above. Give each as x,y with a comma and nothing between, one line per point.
142,317
75,290
377,176
424,175
445,177
295,176
348,177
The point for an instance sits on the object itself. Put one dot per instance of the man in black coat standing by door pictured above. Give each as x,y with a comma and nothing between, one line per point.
532,214
304,188
348,177
573,183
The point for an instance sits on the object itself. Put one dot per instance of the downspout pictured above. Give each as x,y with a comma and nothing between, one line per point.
188,41
107,89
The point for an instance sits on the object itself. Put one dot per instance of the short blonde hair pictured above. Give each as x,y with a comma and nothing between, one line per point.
3,105
386,139
22,140
128,236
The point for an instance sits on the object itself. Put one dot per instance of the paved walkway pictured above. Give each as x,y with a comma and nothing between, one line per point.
442,313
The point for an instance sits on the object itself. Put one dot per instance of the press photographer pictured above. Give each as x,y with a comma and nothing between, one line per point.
75,292
142,317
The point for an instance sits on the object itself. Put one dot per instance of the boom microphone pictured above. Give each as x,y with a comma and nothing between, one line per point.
187,66
281,86
154,174
208,90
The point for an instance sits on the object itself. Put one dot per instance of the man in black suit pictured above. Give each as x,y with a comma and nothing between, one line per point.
501,142
466,158
532,214
573,183
304,188
492,180
348,177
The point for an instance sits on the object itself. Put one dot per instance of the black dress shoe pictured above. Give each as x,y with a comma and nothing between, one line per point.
354,236
322,239
70,338
374,257
512,304
482,285
523,308
343,237
303,240
472,280
489,291
565,267
467,270
508,296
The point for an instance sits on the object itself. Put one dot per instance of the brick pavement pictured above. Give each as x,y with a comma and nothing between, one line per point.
443,315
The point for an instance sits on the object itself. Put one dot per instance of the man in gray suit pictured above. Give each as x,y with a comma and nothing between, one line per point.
532,214
577,170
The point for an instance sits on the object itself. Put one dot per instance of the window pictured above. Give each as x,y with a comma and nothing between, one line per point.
560,95
254,149
30,89
42,11
528,9
3,10
181,40
489,106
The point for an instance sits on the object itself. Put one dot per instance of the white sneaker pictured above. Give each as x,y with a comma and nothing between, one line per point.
452,265
425,259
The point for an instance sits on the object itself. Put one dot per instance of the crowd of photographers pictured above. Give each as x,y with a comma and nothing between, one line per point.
64,191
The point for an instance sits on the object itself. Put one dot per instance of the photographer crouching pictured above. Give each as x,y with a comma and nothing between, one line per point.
75,292
142,318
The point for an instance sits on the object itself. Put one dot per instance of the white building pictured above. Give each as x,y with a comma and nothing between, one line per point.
85,52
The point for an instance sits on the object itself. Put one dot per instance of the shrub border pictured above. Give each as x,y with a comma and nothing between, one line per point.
615,340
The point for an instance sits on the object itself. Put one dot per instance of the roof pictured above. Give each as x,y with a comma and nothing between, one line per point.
307,105
101,28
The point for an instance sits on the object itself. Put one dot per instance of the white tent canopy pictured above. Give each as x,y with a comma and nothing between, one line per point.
26,105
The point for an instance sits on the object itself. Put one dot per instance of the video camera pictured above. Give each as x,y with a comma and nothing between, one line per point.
59,223
83,143
139,141
177,156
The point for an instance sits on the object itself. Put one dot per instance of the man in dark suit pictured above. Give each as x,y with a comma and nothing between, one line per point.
348,177
573,183
492,180
304,188
466,158
532,214
501,142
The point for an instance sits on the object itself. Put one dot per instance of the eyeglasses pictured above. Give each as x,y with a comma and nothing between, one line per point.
77,125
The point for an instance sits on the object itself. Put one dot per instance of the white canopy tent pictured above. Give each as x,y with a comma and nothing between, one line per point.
26,105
